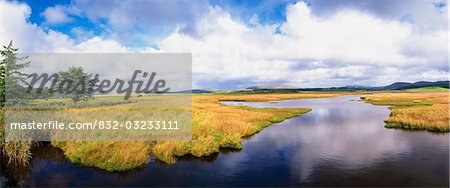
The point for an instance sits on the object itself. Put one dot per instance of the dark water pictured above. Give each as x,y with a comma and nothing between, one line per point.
339,143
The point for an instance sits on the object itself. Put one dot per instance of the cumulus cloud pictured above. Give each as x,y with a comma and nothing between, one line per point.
31,38
140,20
56,15
424,14
27,36
350,45
95,45
81,34
343,47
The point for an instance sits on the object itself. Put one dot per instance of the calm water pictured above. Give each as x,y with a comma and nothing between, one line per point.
341,142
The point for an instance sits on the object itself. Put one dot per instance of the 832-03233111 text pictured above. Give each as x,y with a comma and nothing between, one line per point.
97,124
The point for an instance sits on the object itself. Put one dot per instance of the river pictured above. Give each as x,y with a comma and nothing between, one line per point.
341,142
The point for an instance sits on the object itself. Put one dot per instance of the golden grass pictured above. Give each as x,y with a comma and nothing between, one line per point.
17,153
425,111
107,155
214,126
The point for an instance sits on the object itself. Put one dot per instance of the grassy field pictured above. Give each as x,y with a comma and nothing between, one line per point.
214,126
426,89
420,111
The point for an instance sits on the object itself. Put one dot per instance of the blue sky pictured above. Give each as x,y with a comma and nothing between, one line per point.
268,12
313,43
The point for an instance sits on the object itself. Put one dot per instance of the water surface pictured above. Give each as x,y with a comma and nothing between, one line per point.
341,142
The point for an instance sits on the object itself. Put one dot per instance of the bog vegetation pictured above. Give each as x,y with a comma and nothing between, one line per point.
421,111
214,126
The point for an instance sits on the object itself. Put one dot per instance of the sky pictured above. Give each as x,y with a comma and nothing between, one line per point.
236,44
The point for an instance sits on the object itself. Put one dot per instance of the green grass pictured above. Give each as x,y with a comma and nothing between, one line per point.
428,89
101,101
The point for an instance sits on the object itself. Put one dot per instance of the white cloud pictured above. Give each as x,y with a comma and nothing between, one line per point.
31,38
139,20
95,45
56,15
28,37
349,36
349,47
424,14
82,34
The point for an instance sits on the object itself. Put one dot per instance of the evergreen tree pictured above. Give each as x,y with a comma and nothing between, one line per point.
12,80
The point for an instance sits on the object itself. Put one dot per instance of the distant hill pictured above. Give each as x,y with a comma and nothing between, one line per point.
286,89
397,86
394,86
271,87
407,85
195,91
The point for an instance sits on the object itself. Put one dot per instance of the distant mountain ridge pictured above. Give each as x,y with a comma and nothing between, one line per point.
407,85
275,88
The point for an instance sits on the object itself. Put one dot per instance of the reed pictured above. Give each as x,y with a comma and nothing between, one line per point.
17,153
214,126
421,111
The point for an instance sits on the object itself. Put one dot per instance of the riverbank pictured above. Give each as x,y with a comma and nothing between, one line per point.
415,111
214,126
341,127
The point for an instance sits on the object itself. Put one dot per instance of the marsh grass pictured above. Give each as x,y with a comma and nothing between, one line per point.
68,103
17,153
214,126
107,155
418,111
